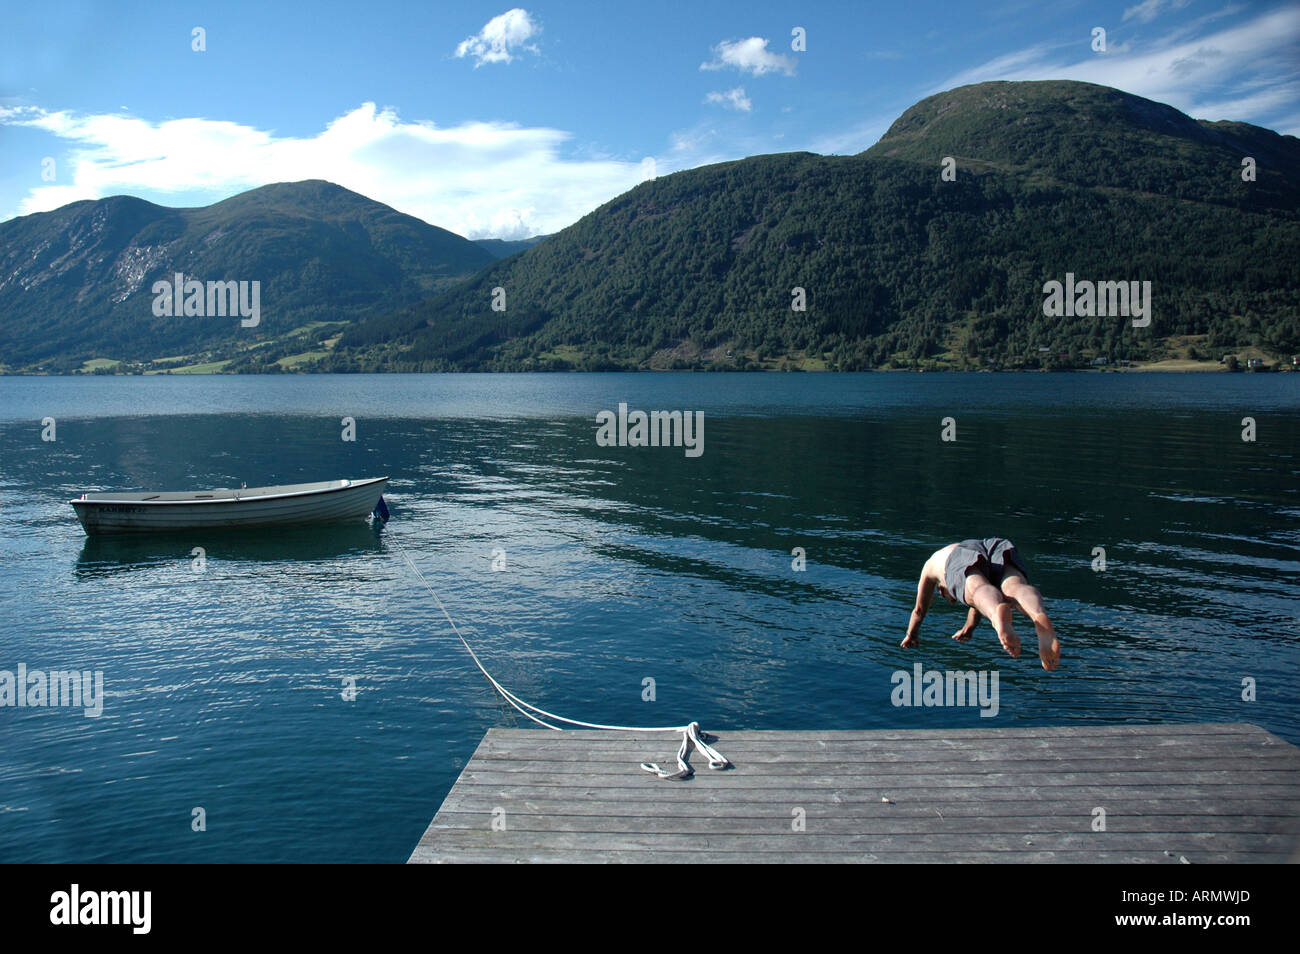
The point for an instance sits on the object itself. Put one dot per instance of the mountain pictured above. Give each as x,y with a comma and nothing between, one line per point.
504,248
76,283
900,268
1097,137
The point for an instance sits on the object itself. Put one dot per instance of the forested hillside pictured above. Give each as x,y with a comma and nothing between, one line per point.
900,267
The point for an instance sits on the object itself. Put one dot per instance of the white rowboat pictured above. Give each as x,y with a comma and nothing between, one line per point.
145,512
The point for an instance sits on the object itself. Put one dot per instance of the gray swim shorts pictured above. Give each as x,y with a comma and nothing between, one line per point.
992,556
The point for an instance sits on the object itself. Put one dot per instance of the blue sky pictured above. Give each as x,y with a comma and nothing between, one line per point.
493,120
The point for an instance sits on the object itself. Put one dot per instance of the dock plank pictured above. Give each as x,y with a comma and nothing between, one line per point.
1207,793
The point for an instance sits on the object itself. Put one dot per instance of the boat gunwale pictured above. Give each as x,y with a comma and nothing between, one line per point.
253,498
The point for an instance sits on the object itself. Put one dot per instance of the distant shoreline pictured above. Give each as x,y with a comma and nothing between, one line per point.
1160,367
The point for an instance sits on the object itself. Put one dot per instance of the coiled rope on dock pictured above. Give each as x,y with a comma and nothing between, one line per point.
691,734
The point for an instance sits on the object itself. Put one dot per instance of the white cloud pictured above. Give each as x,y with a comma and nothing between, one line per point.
732,99
479,179
1148,10
501,35
1215,75
749,56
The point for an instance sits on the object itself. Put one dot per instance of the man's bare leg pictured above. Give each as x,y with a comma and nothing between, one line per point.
1030,602
987,598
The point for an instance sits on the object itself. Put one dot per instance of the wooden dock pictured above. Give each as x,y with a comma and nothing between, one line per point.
1203,793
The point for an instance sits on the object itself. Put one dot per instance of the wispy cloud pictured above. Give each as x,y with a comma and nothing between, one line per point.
477,178
501,38
732,99
704,144
855,139
1244,72
1148,10
751,56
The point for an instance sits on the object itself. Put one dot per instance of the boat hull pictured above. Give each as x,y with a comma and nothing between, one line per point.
290,505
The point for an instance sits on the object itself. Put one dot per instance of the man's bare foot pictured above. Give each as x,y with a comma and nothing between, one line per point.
1049,647
962,635
1006,632
911,642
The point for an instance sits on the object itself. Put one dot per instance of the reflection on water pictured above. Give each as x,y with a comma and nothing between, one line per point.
108,554
226,687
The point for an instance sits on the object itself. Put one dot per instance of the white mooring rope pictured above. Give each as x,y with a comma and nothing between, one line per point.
690,733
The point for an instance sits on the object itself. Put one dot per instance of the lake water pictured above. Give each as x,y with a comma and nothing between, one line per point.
225,687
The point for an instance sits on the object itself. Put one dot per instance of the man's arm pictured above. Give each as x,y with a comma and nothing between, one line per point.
924,594
972,620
